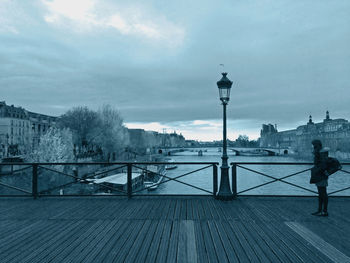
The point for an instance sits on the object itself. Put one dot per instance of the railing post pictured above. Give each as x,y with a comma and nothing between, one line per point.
234,180
35,181
129,180
215,180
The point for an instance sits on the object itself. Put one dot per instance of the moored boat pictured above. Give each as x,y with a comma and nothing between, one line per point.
157,178
170,164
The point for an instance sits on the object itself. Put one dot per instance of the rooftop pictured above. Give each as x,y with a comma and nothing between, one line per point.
170,229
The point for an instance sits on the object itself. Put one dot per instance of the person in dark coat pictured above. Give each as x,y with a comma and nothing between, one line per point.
320,159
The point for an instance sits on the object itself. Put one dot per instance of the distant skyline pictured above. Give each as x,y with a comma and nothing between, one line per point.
158,62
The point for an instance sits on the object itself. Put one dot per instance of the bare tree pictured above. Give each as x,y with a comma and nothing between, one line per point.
110,135
82,122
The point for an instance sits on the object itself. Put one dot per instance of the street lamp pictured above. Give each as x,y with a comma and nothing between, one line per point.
225,193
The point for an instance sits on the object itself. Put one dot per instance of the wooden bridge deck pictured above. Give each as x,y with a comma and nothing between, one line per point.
173,229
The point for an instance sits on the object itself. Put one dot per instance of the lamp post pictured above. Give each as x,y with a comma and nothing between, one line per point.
225,193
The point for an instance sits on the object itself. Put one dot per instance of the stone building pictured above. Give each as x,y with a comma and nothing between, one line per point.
334,133
20,129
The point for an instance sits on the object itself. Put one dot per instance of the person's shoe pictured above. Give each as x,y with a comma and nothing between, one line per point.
317,213
324,214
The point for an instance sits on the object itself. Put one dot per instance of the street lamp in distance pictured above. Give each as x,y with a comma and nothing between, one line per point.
225,193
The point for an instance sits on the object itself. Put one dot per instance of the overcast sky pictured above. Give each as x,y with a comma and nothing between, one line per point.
158,61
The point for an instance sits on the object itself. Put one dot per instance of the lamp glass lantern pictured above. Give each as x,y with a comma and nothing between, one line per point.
224,85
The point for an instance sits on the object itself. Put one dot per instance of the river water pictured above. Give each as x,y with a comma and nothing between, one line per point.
247,179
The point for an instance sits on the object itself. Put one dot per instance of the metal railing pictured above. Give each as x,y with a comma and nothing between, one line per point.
39,178
88,178
282,179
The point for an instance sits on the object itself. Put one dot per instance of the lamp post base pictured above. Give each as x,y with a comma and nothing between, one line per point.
225,192
228,197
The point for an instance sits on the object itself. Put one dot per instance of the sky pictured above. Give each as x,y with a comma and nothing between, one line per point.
158,61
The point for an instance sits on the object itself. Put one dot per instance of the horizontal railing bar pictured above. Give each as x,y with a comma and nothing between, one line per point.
169,195
269,195
125,163
276,163
271,163
104,163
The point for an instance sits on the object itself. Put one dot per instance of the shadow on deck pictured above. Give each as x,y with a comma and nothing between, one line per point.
173,229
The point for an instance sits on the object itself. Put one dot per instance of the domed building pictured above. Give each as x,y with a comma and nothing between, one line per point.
334,133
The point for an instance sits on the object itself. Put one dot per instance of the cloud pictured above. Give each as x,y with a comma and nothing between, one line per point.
83,16
158,61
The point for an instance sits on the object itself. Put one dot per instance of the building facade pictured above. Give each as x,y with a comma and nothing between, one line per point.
334,133
20,130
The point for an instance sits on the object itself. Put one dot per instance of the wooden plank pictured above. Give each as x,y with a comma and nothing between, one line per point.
21,235
187,249
105,238
164,243
155,243
65,251
65,211
235,243
201,210
95,243
183,212
229,249
215,212
173,243
271,244
322,246
146,244
243,241
167,205
157,209
84,244
23,245
252,239
208,242
201,251
261,241
124,244
195,209
140,210
111,241
207,210
52,242
9,226
177,210
296,244
172,208
189,209
136,244
284,251
218,246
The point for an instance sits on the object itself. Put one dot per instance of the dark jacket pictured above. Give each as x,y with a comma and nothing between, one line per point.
318,171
